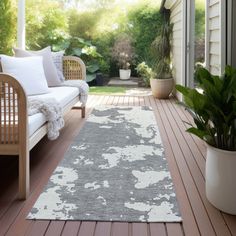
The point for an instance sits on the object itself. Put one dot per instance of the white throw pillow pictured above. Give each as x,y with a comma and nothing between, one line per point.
28,71
49,67
57,58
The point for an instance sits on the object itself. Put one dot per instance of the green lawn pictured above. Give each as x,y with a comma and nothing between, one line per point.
107,90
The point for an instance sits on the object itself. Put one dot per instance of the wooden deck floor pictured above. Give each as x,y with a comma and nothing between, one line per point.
185,155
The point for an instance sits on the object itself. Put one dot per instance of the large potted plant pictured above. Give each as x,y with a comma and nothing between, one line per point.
123,55
162,83
213,109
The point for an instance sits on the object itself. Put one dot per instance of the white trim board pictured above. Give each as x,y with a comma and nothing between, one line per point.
222,35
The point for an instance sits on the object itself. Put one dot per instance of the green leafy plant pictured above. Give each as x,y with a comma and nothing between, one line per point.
146,21
7,26
46,23
86,51
162,47
213,109
145,72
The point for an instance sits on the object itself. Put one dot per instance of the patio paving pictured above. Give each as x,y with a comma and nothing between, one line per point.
116,81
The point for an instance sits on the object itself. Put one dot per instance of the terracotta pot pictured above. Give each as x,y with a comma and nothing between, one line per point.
125,74
220,179
161,88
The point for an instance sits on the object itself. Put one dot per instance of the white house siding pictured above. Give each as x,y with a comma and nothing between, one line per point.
215,41
177,18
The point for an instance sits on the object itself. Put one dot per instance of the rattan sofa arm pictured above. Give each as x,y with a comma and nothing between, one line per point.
14,127
73,68
13,109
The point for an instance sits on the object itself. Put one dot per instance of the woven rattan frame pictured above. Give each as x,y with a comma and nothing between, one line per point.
73,68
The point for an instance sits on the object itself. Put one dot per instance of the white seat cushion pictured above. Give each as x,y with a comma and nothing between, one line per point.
63,95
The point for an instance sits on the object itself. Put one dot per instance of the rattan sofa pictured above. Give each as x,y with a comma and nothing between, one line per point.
14,133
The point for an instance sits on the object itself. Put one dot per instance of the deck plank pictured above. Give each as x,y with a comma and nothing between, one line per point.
37,228
174,229
140,229
186,164
87,228
185,206
120,229
157,229
103,229
71,228
55,228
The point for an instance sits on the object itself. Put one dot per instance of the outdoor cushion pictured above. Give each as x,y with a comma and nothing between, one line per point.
28,71
63,96
57,58
49,67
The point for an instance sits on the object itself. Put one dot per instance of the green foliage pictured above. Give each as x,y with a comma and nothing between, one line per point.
107,90
83,24
7,26
162,47
104,25
85,50
146,22
214,110
94,26
145,72
101,24
54,28
199,30
46,23
200,19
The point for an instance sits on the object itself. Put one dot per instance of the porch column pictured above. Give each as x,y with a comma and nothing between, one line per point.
21,24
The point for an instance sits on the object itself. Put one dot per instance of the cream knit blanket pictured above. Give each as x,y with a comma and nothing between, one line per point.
82,86
53,113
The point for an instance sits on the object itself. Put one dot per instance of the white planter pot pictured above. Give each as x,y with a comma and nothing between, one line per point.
221,179
125,74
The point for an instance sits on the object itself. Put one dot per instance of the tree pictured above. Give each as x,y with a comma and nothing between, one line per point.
46,23
7,26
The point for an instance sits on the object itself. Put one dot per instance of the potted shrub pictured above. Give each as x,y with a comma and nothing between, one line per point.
162,83
123,55
146,73
213,109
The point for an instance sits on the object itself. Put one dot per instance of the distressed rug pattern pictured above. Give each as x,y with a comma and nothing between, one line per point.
115,170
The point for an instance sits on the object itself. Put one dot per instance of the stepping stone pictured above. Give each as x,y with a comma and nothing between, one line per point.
116,81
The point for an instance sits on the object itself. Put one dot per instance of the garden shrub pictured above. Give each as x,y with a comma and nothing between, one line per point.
49,22
103,25
146,22
200,31
46,23
8,26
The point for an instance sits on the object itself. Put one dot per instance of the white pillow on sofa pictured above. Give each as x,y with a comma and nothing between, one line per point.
49,67
28,71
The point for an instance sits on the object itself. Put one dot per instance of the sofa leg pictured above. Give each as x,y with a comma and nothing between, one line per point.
24,169
83,112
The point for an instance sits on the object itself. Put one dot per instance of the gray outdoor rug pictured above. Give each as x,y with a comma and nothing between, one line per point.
115,170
